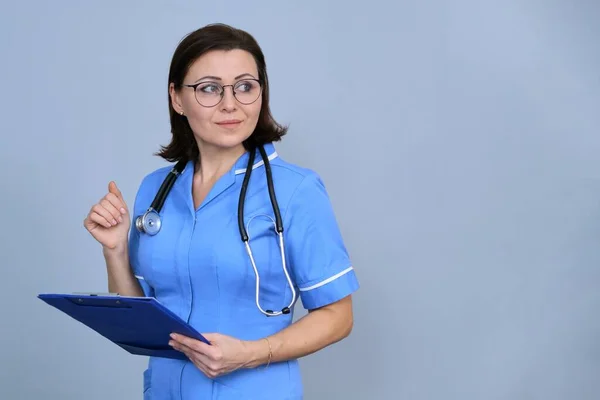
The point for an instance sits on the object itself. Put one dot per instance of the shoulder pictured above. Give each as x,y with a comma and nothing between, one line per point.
300,185
155,177
293,174
149,185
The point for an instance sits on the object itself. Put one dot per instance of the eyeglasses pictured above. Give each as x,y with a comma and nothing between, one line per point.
209,94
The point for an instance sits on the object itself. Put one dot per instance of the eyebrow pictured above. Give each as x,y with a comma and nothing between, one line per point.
216,78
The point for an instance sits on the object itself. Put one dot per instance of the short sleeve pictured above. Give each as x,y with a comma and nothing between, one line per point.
133,246
134,238
318,258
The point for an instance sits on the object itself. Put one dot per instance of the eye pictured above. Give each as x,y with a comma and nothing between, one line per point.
209,88
246,86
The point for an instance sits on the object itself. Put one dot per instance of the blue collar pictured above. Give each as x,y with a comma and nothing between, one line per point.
184,182
241,164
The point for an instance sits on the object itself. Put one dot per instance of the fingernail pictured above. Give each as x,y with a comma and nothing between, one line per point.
114,221
123,211
120,219
172,335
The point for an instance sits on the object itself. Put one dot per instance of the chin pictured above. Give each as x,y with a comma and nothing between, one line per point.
223,138
227,141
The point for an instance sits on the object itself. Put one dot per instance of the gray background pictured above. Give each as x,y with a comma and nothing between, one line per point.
459,142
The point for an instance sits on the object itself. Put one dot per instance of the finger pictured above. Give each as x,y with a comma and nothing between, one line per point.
99,219
116,214
205,364
103,212
201,367
196,345
211,337
112,188
192,354
182,348
205,370
117,202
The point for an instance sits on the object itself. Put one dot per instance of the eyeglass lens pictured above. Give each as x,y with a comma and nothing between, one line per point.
210,93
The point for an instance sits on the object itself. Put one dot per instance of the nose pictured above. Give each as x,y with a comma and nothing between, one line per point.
228,103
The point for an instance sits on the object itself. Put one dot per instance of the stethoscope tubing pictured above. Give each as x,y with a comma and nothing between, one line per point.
150,222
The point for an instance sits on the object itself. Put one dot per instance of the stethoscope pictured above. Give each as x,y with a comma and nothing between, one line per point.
150,222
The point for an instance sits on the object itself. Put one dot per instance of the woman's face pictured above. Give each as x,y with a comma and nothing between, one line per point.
228,123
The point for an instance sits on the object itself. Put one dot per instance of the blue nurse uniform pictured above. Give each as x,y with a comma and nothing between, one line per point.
197,266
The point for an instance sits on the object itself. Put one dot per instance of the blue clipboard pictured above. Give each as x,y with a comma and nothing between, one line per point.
139,325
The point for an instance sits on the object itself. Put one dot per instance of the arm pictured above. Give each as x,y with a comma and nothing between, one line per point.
316,330
120,276
321,327
108,222
317,255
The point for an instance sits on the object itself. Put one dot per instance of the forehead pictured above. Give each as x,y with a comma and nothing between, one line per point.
225,64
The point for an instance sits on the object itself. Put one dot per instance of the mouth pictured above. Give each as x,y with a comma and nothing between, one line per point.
229,123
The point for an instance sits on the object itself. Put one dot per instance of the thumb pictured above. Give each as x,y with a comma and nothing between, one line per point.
213,338
112,188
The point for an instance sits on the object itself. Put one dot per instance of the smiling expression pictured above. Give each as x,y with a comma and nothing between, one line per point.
230,122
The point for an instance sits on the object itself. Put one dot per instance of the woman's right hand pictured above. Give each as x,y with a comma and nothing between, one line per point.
108,220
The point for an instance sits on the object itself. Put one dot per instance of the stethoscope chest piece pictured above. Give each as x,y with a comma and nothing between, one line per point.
149,222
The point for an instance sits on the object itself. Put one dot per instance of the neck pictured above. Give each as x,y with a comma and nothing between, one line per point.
214,162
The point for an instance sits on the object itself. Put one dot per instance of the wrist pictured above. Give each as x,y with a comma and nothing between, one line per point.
118,251
259,352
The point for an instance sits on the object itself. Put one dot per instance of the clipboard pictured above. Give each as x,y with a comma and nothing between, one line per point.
139,325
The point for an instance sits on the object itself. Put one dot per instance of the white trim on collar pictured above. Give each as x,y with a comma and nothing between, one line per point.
271,157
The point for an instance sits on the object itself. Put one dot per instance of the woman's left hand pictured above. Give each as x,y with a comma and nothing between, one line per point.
224,355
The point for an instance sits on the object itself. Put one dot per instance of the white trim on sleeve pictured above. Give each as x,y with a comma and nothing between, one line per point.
326,281
140,277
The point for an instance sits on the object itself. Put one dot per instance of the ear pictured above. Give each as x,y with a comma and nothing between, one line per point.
175,99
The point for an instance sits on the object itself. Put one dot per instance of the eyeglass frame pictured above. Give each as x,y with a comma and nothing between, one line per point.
195,86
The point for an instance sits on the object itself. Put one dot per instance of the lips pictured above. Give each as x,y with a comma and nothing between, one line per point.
229,122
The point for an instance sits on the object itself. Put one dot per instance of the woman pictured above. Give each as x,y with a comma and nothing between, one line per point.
198,266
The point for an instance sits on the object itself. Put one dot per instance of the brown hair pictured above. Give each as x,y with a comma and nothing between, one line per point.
195,44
